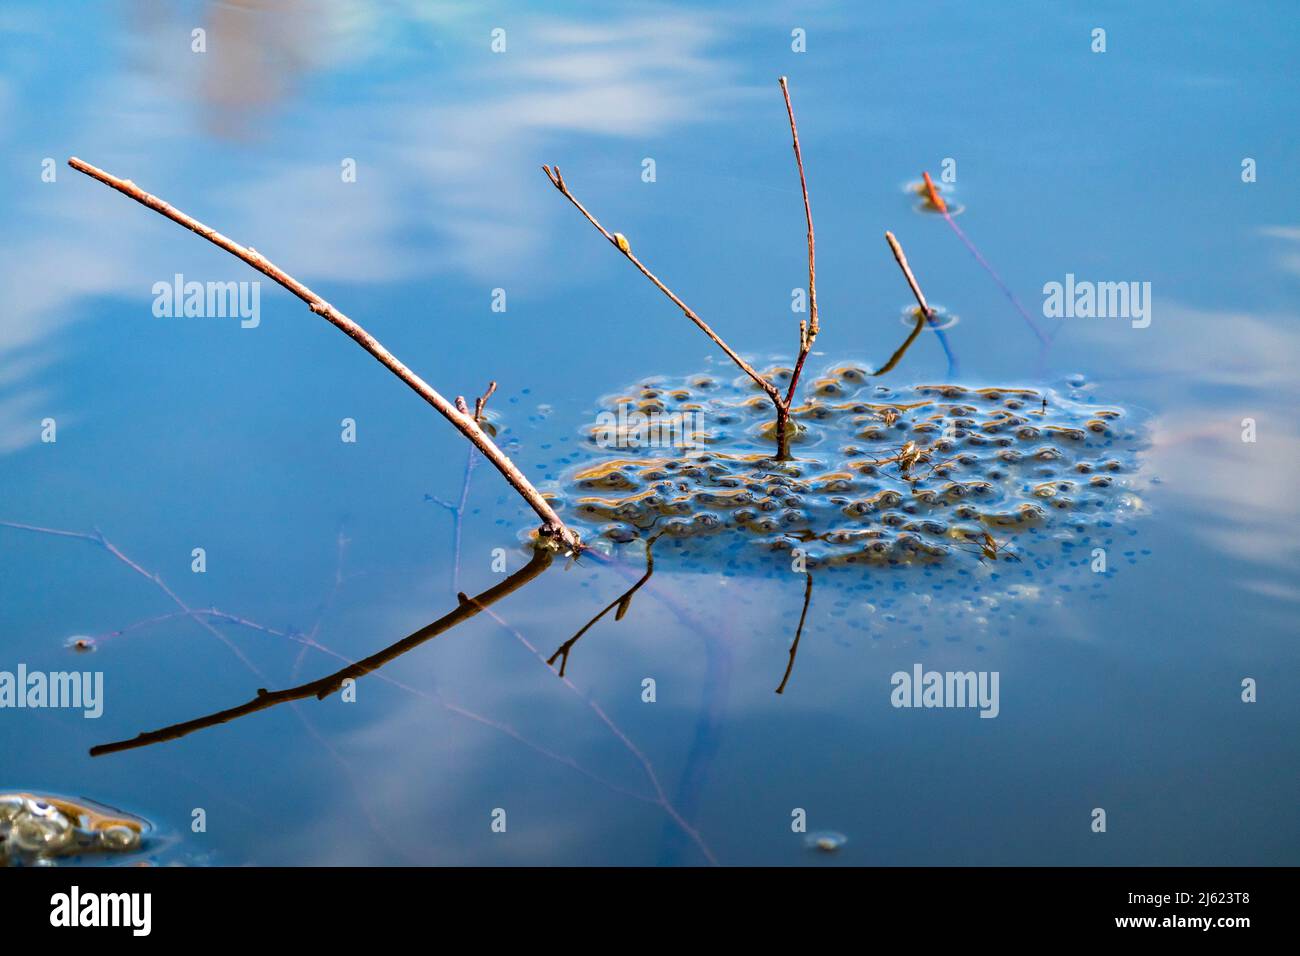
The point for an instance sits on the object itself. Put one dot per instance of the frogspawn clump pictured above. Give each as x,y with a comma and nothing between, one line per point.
881,475
39,829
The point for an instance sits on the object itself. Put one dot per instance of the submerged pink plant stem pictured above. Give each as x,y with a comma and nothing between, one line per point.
940,206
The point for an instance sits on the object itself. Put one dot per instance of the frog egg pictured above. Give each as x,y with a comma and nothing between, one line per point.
828,841
11,807
618,533
118,838
41,829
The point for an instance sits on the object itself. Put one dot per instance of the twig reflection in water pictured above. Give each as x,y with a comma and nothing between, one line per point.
803,615
467,608
717,681
622,602
331,683
201,618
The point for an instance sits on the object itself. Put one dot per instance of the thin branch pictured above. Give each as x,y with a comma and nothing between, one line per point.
807,331
907,273
932,194
813,327
482,402
626,249
552,526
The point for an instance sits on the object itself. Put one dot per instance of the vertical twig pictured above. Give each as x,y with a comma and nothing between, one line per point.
482,402
807,330
552,530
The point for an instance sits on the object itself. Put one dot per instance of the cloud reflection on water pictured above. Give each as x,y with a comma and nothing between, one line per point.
446,183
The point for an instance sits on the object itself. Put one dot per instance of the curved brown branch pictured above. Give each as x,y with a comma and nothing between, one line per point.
320,689
552,530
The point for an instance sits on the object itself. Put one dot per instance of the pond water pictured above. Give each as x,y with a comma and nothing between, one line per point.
391,161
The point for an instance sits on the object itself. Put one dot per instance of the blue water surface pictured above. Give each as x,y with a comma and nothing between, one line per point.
1120,691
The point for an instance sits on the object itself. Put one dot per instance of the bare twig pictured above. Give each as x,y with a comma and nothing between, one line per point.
553,528
482,402
807,330
557,180
926,311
